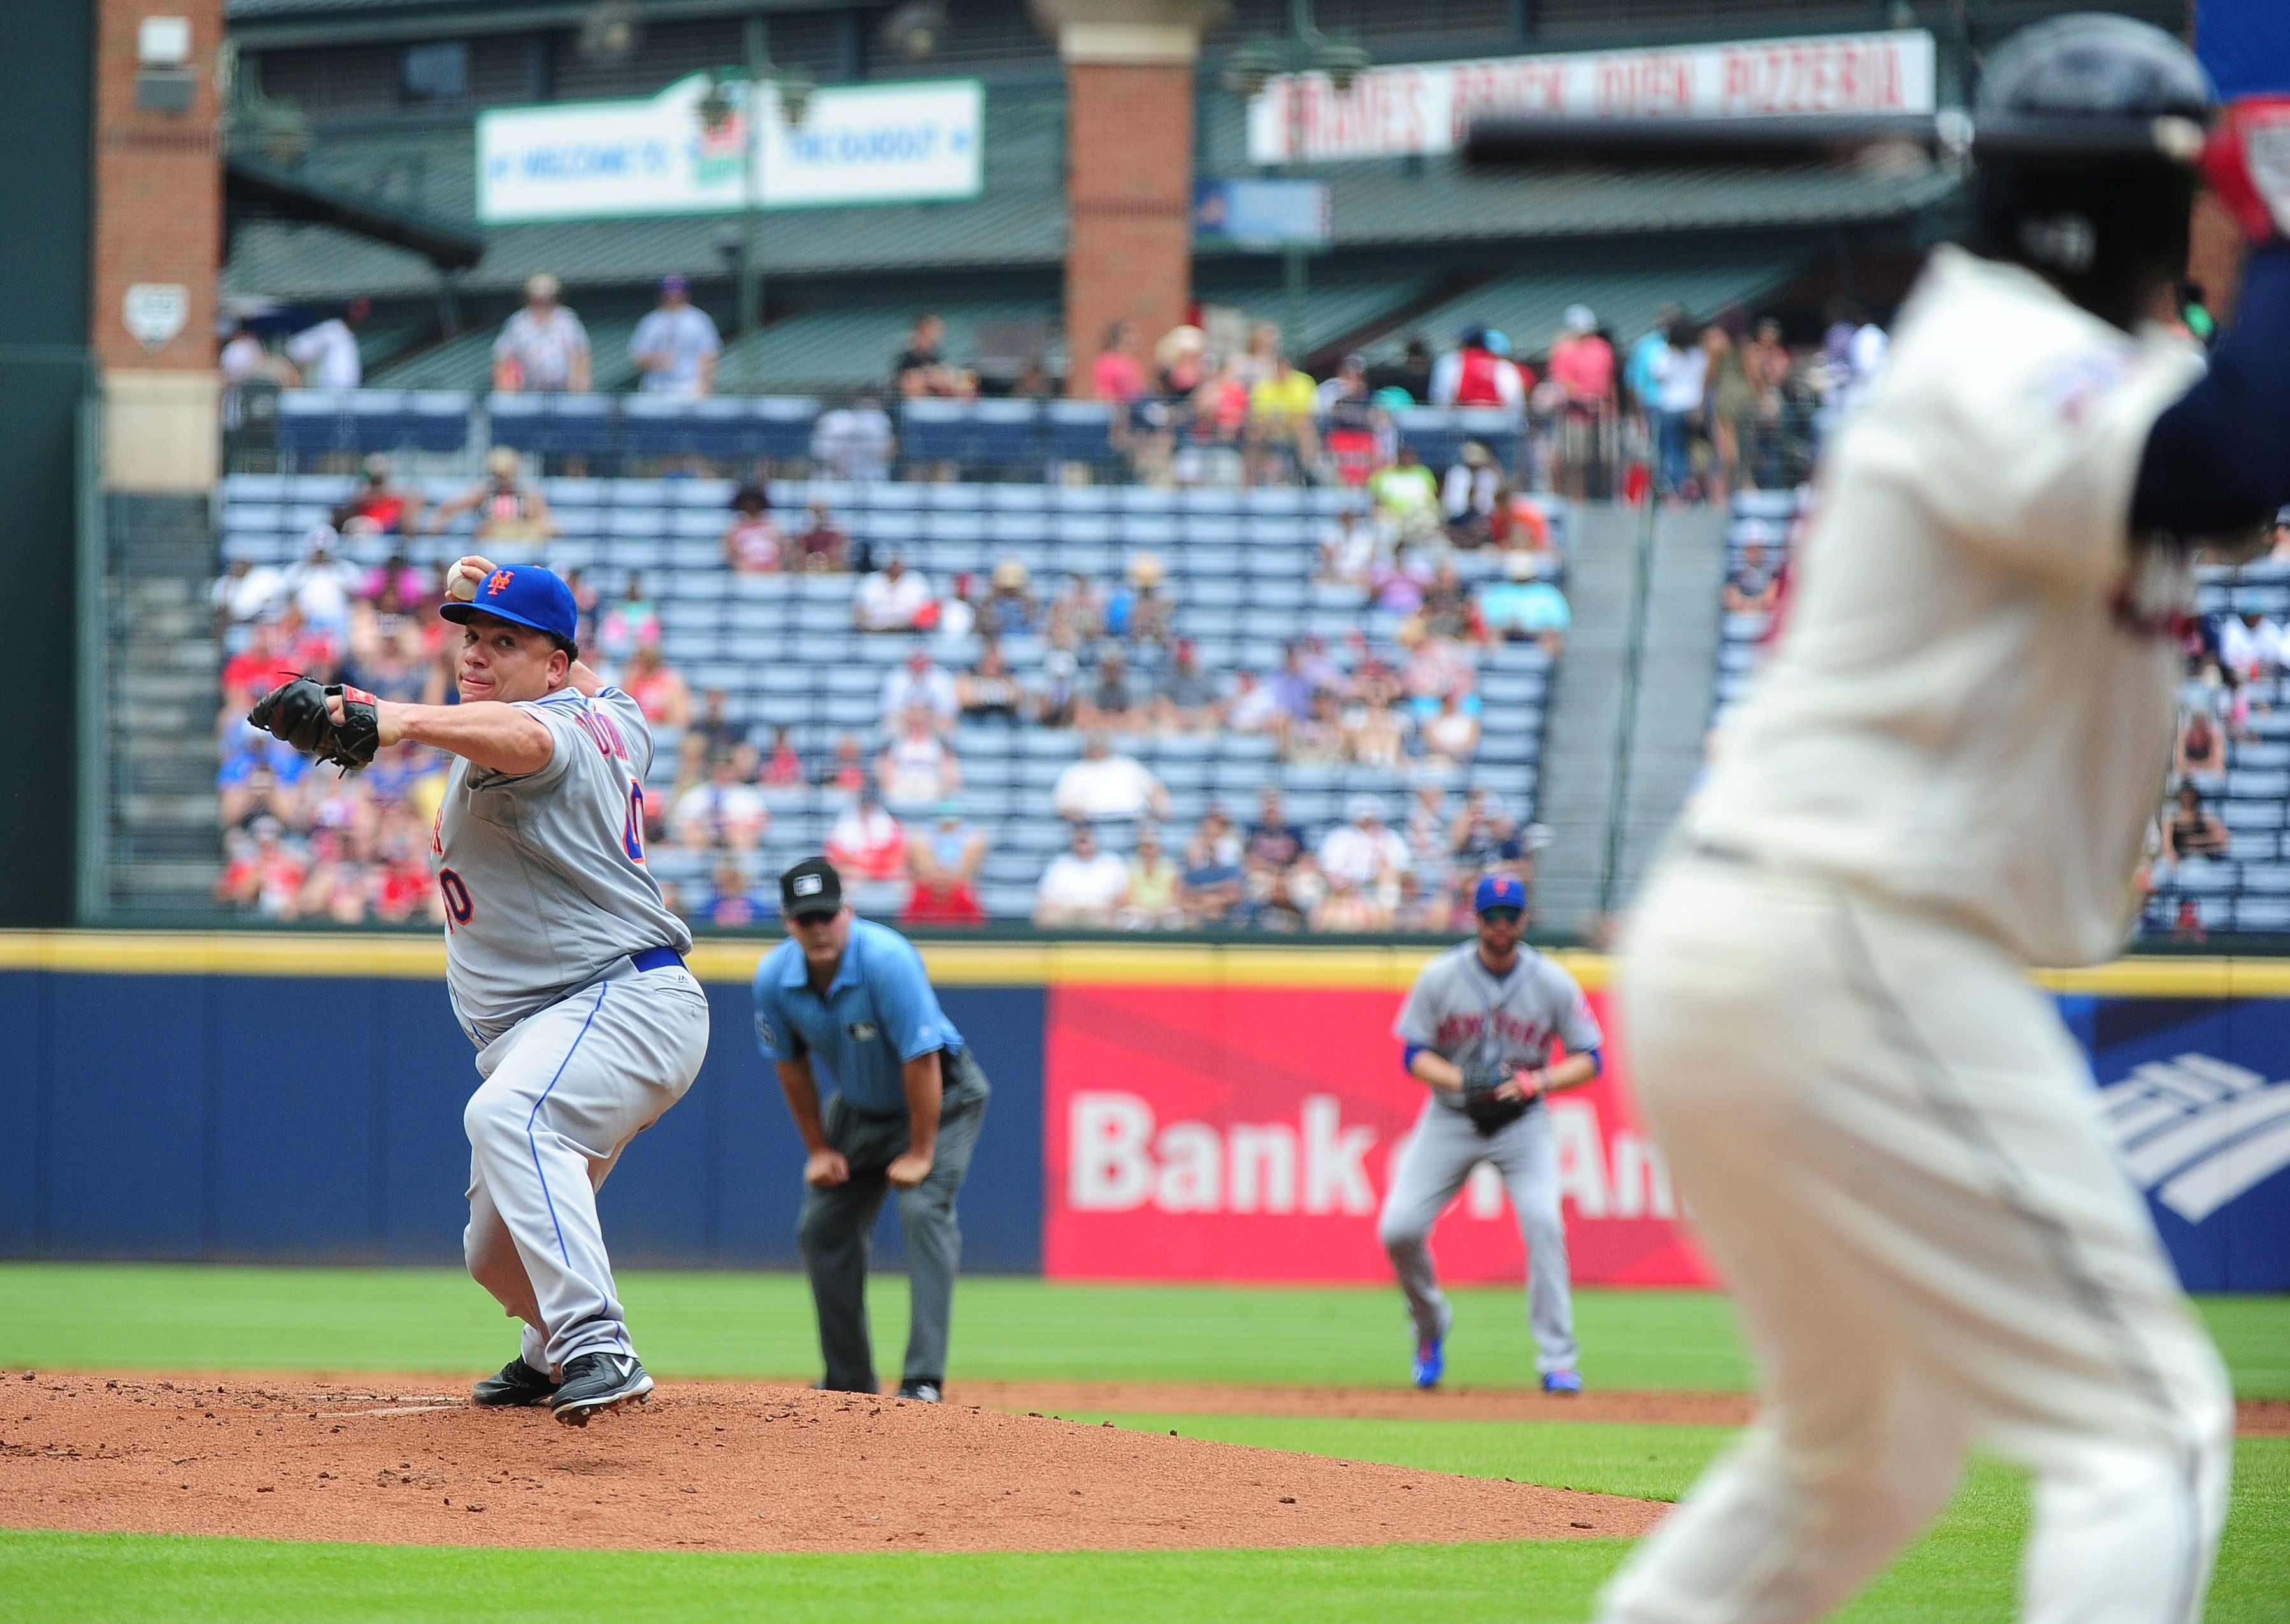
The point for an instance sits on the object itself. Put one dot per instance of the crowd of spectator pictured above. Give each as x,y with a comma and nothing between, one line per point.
1692,409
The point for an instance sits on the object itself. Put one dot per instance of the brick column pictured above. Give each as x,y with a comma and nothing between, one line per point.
158,227
1129,163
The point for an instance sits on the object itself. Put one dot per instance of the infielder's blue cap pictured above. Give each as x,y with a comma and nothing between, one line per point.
527,594
1498,891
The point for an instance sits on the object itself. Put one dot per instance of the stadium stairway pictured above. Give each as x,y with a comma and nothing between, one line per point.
162,852
1676,677
1579,781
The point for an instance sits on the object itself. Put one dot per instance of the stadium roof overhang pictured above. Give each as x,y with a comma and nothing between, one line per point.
278,24
253,189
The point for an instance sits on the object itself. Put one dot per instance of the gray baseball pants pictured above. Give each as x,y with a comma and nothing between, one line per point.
835,1229
1441,1149
565,1091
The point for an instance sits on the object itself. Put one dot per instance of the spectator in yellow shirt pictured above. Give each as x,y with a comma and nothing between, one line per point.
1284,435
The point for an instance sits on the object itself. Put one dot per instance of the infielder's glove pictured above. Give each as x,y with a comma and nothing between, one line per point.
296,712
1489,1113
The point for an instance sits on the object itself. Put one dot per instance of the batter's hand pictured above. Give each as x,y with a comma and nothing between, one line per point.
910,1170
825,1168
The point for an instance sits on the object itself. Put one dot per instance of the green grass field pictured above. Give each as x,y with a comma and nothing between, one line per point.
718,1324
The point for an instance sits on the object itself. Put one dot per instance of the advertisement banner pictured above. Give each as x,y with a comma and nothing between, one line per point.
875,143
1423,108
1248,1133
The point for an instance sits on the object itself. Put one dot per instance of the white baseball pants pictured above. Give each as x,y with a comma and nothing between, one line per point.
566,1090
1891,1146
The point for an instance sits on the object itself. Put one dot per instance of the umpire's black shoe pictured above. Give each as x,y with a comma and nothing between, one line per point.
598,1381
518,1383
926,1392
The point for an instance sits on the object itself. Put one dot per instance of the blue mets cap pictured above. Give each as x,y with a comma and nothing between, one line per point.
1498,891
527,594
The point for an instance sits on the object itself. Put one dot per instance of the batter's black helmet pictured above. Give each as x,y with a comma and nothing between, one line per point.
2108,233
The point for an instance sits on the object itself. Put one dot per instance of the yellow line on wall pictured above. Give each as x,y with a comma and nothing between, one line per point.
981,963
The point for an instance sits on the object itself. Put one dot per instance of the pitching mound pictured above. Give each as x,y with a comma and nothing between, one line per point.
722,1466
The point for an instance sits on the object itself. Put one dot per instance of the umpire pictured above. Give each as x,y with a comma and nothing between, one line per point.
843,1007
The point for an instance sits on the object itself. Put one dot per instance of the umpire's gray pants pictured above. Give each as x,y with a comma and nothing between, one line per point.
1441,1152
835,1230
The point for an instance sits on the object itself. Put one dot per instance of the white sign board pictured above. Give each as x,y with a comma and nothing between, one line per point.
875,143
155,312
1425,107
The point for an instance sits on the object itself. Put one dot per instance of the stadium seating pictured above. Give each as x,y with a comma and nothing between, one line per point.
1239,569
1023,440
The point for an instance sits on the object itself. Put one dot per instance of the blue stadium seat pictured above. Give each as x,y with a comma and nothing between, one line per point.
989,433
1079,431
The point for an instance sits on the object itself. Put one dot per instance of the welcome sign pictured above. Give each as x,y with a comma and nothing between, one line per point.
875,143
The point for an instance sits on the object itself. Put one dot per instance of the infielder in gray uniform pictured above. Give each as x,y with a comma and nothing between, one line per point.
564,968
1477,1025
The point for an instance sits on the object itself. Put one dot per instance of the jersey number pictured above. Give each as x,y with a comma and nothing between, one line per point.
632,834
458,906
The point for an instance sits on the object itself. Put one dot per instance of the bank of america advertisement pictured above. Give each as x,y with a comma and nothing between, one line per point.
876,143
1423,108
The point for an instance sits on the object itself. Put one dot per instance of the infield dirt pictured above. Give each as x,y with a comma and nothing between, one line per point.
719,1466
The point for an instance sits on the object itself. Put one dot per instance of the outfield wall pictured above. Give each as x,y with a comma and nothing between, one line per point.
1161,1111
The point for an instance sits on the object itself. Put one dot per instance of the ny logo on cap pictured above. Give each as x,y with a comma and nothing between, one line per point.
808,884
499,584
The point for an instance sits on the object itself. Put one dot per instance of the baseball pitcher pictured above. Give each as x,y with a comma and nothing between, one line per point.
1477,1025
1887,1135
563,967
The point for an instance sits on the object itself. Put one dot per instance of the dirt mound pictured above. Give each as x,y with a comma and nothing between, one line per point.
724,1466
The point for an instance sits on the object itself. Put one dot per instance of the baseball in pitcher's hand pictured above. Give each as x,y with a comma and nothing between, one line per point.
825,1168
909,1169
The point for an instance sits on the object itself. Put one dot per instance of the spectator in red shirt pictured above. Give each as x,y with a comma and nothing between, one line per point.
783,767
866,842
944,862
658,688
848,770
822,547
392,510
1116,375
1478,372
751,541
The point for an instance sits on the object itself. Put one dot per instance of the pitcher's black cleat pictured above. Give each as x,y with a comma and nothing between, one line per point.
925,1392
598,1381
518,1383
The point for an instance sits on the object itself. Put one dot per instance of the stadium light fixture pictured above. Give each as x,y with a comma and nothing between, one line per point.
1257,61
916,30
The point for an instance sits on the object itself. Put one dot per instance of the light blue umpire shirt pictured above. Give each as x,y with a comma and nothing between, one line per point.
878,1013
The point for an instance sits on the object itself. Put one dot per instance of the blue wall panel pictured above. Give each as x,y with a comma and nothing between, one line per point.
23,1077
181,1115
295,1151
430,1070
128,1146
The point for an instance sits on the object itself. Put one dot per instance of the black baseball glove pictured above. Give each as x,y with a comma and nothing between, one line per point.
1489,1113
296,712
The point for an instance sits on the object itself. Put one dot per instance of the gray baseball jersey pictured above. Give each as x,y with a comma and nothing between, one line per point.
1461,1010
544,874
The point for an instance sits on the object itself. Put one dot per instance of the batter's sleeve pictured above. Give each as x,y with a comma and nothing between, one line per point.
912,1018
2033,463
1419,1022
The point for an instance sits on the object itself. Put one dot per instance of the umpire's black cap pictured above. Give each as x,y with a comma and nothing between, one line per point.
811,889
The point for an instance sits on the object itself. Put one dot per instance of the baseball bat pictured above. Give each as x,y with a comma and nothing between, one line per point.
1516,141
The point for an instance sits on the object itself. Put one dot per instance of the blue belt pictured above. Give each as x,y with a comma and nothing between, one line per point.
656,958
